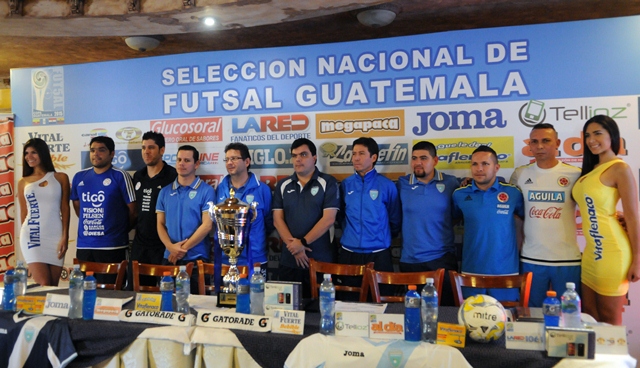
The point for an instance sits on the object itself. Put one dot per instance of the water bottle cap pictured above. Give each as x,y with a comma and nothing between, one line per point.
412,287
256,269
551,293
20,263
571,285
243,275
183,268
89,273
429,280
327,276
166,273
76,266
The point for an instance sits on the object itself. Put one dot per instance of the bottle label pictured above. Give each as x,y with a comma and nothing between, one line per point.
243,289
412,302
257,288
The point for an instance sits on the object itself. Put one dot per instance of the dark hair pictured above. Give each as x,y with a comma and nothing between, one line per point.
107,141
589,160
427,146
544,126
43,153
371,144
487,149
157,137
304,141
196,154
244,150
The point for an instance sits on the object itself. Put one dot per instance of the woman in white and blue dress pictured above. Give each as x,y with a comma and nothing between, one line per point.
43,195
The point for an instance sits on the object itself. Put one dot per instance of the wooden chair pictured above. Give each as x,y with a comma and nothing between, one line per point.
316,267
153,270
207,269
522,282
118,269
375,278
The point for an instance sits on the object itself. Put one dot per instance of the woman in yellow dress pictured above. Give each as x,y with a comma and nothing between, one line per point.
610,258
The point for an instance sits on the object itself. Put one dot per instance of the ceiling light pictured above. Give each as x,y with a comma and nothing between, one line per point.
142,43
378,16
209,21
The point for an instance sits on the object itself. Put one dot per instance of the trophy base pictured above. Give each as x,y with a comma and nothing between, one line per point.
227,300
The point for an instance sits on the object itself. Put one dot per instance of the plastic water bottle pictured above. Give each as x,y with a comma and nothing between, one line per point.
243,301
571,307
89,297
183,289
257,292
412,325
551,310
429,305
166,289
76,285
327,306
8,298
20,279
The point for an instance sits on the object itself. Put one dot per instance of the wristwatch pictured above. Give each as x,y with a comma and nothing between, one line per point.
304,241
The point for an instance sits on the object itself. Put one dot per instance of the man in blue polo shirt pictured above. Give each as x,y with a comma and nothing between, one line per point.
183,218
489,208
248,189
304,209
427,217
372,213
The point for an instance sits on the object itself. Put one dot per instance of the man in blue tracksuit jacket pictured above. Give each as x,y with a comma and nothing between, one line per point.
371,210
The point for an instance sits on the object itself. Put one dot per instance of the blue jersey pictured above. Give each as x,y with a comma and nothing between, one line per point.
183,207
490,246
104,213
303,207
252,190
371,212
427,217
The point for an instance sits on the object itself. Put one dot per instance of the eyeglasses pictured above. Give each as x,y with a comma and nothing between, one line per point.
232,159
301,155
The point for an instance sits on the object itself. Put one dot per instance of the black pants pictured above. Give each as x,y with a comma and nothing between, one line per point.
194,273
448,262
301,275
103,256
381,262
148,255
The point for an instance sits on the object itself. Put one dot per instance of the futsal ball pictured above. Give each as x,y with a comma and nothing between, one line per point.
483,316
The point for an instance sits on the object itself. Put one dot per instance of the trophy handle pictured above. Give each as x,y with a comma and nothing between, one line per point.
254,208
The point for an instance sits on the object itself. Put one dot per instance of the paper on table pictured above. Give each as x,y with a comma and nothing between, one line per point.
360,307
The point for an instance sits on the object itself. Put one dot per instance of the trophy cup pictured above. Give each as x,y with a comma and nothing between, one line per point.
232,221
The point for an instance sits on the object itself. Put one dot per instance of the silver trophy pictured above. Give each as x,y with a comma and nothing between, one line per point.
232,220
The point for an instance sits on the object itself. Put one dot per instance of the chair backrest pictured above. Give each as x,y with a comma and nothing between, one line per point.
205,268
118,269
316,267
153,270
522,282
375,278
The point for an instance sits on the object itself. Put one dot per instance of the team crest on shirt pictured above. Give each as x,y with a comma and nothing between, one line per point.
106,182
440,187
250,198
503,197
192,194
138,185
314,191
563,181
373,193
395,357
29,333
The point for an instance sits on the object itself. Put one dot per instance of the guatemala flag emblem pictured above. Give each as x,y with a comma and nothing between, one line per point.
440,187
314,191
250,198
373,193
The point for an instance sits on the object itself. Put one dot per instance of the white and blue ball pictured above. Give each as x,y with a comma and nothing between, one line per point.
484,318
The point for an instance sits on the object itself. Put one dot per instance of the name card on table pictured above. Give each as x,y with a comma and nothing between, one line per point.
148,302
525,336
238,321
287,321
158,318
386,326
57,305
451,334
611,340
352,324
107,309
31,304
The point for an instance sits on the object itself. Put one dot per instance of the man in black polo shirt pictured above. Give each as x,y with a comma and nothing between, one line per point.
147,247
304,209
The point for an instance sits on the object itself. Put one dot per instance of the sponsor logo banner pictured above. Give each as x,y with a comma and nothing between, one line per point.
47,96
339,155
129,160
385,123
455,153
270,128
207,129
270,156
